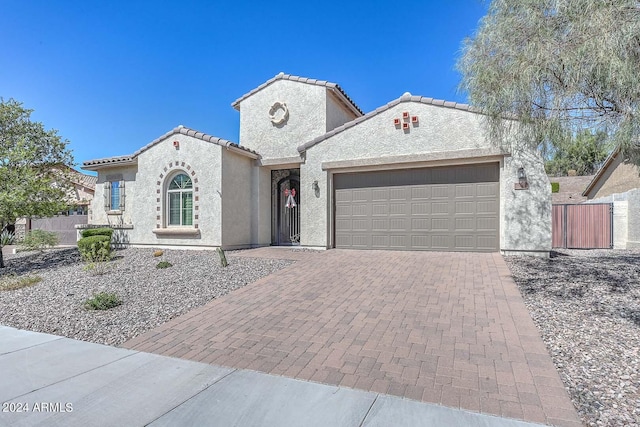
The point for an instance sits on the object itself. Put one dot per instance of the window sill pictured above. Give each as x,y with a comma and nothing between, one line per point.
117,212
177,231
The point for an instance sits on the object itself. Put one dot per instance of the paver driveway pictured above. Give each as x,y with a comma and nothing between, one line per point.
448,328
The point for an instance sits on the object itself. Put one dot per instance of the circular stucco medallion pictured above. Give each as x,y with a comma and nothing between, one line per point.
279,113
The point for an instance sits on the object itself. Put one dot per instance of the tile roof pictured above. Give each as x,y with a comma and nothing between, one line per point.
283,76
407,97
571,188
177,130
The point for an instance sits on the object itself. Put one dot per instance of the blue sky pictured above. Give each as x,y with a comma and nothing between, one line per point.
113,76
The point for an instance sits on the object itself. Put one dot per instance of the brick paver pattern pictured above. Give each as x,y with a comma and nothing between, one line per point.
446,328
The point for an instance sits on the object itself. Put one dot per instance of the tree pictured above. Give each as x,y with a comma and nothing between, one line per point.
35,174
584,153
557,67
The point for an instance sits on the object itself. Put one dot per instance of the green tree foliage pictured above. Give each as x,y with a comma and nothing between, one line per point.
584,153
35,174
558,67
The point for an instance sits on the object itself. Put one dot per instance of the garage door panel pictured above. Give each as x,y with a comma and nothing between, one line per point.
361,195
380,194
452,208
465,224
379,209
440,208
420,224
487,207
380,225
440,224
420,208
421,192
465,208
439,192
465,191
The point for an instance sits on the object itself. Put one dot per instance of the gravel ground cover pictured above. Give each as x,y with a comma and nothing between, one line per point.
150,296
586,305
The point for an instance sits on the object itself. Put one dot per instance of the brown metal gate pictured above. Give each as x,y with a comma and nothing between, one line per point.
63,226
585,226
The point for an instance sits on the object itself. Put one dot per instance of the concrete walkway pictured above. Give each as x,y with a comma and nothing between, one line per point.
54,381
444,328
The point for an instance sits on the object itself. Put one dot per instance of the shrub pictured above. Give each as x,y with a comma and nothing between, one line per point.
38,240
14,282
7,238
95,248
102,301
555,187
164,264
104,231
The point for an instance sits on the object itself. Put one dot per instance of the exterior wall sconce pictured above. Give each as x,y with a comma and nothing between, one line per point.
316,188
176,144
522,183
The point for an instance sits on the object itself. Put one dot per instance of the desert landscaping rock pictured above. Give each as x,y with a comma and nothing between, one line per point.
586,305
150,296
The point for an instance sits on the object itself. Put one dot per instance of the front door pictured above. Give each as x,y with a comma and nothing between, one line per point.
288,208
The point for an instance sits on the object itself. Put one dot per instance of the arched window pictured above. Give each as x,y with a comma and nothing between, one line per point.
180,201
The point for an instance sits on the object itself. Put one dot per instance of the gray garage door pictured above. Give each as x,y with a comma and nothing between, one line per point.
453,208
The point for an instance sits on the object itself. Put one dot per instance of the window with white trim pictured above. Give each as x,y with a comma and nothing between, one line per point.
180,201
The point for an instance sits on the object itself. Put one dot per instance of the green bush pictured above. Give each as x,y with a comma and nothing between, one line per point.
38,240
555,187
102,301
164,264
104,231
7,238
95,248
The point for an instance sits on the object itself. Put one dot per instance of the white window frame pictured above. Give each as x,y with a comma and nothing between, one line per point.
108,194
180,191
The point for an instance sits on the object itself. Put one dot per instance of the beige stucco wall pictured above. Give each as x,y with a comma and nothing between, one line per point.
525,214
145,206
307,118
337,113
97,214
260,206
618,178
236,200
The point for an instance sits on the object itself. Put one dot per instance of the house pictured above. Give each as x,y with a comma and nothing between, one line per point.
618,183
80,197
570,189
312,169
615,176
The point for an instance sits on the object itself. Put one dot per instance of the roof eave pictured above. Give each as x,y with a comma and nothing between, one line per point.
90,166
601,171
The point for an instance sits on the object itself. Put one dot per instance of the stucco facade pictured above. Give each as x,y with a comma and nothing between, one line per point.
296,136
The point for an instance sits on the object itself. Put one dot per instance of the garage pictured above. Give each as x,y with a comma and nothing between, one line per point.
451,208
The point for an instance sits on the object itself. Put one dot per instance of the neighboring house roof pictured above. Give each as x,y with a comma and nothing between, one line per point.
282,76
121,160
407,97
605,166
571,188
87,181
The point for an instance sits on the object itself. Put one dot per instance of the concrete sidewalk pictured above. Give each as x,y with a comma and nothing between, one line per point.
50,380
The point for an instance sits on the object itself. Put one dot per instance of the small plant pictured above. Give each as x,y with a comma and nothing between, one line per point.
95,248
103,231
96,268
158,253
39,240
555,187
7,238
13,282
223,257
164,264
102,301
